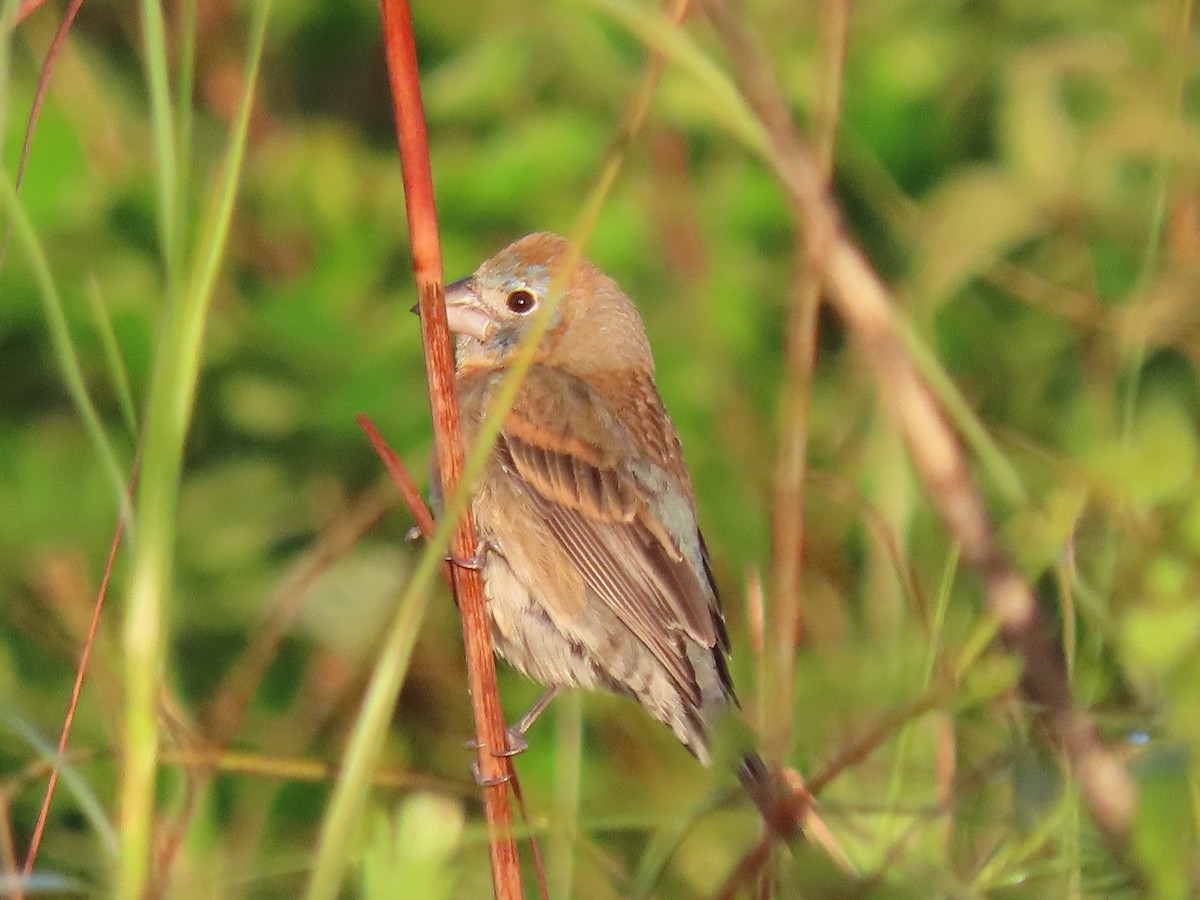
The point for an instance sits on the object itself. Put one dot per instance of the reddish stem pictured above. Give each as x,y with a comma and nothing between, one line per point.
80,671
404,483
401,50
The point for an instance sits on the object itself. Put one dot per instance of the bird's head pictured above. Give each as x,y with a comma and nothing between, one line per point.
594,327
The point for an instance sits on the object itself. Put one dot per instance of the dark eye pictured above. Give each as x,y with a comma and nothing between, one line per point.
521,301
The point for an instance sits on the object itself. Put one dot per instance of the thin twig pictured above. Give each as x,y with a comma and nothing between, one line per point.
863,301
39,97
539,866
404,482
77,688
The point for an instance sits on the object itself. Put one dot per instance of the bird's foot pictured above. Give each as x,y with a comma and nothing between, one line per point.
517,743
485,782
474,562
516,733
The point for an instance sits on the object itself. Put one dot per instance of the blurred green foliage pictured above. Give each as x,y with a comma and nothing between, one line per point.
1027,179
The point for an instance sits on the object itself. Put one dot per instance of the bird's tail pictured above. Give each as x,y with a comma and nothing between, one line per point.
787,808
782,801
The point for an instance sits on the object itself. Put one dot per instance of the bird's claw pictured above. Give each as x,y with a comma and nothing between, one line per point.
517,744
475,562
485,782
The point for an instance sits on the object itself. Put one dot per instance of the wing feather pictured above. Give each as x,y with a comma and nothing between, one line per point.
608,521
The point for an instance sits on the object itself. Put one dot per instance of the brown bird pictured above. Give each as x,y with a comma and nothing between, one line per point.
594,568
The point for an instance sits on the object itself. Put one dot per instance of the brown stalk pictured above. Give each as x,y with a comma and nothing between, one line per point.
863,302
401,52
787,513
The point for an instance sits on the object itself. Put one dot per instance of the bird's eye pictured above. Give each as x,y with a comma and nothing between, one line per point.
521,301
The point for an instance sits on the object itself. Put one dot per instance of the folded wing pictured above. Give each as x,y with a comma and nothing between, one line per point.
629,528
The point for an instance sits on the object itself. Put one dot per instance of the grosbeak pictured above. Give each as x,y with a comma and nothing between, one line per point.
593,565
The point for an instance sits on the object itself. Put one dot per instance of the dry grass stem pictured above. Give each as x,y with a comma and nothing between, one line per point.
787,512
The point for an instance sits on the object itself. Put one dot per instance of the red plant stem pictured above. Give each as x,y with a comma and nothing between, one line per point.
405,484
399,475
39,96
43,85
26,8
401,50
80,671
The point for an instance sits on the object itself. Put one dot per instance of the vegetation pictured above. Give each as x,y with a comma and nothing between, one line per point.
225,286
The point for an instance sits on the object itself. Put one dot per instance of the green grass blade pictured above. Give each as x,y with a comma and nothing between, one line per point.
112,355
185,87
659,33
158,81
341,820
340,823
60,337
345,808
172,397
938,626
76,783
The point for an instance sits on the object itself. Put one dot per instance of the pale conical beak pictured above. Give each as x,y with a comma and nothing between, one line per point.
464,311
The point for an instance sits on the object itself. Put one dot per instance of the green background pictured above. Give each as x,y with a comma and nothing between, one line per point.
1023,176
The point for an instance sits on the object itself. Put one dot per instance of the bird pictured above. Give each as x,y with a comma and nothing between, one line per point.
594,568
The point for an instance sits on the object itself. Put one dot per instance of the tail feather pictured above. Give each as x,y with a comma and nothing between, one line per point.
781,803
787,808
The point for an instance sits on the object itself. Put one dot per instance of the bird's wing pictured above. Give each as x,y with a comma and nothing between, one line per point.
624,522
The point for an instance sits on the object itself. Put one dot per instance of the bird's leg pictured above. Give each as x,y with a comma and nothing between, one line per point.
475,562
516,733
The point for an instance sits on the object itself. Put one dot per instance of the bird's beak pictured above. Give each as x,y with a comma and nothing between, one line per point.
464,310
